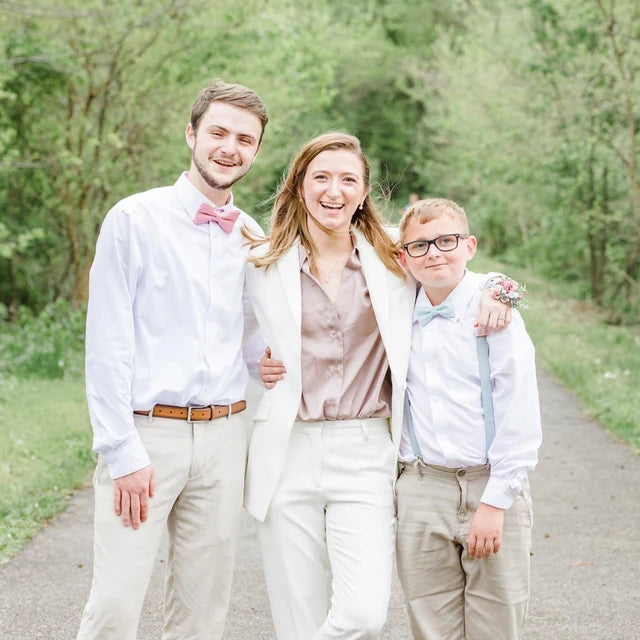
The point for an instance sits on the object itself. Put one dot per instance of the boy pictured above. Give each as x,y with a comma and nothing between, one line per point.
464,509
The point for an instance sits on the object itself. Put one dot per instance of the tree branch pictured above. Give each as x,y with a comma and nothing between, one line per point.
610,24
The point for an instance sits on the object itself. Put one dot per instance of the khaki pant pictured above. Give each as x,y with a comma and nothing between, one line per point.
199,472
451,596
332,515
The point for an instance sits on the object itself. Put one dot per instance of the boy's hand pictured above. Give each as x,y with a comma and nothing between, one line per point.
485,534
492,314
270,370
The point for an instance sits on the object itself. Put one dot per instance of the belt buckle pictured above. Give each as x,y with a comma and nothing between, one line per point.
189,419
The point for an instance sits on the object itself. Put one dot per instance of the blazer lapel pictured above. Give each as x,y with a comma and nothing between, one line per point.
375,274
289,269
392,299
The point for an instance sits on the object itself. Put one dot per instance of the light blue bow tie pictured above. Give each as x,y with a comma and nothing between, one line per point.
427,314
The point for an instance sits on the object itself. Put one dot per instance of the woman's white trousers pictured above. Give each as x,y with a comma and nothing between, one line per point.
328,539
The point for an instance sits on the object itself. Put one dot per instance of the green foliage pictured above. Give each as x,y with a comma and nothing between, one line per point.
536,137
598,362
526,112
19,243
27,81
84,92
48,345
94,98
45,453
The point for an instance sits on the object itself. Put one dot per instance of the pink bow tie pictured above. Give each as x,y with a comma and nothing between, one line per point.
225,219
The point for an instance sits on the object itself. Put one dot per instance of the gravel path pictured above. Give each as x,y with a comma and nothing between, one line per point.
586,559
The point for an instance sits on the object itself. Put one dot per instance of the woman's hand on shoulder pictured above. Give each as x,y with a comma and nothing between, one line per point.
492,314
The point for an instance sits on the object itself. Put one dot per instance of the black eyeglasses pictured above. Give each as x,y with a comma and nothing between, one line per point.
419,248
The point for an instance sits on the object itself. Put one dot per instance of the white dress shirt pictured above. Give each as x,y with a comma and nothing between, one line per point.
165,316
444,391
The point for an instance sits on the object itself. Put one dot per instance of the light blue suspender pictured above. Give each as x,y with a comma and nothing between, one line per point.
487,403
482,347
412,432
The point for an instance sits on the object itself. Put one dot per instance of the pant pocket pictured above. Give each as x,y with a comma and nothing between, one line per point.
101,473
523,509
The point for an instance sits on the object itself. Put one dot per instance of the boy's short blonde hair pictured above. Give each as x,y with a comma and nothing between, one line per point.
433,209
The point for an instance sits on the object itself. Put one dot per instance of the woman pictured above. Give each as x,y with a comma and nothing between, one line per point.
336,309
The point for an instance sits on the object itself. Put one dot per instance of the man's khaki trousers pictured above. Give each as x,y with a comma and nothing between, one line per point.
199,473
451,596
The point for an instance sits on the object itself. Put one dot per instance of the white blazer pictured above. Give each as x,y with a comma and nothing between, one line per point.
276,297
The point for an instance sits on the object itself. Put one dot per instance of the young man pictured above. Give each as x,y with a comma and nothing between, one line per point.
464,510
166,381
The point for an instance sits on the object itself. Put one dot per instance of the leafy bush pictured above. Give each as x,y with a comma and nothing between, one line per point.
48,345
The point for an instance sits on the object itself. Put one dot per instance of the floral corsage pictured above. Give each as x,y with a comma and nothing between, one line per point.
507,290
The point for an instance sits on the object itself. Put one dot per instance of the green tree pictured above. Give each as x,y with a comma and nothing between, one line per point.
85,91
94,98
536,119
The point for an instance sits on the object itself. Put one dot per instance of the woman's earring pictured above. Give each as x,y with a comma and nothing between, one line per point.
360,207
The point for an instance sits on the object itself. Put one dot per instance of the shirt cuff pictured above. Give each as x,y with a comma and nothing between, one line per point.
501,493
128,457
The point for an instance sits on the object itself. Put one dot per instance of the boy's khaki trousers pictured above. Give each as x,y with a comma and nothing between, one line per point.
199,473
451,596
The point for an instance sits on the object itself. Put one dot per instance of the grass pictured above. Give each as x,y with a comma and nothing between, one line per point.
45,453
599,362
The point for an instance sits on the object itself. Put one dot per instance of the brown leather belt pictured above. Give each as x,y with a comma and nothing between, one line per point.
195,414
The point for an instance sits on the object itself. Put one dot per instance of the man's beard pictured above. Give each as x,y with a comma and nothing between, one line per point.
209,179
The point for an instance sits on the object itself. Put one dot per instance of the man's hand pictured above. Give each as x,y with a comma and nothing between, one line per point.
270,370
485,533
492,314
131,495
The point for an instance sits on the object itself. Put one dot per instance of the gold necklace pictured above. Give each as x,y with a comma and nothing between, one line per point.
326,276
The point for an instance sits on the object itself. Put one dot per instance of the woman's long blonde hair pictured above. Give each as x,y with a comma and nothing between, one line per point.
289,215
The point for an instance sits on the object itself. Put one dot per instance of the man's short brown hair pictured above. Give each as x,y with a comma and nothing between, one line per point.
235,94
433,209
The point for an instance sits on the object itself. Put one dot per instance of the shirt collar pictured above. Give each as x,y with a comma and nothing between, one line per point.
191,197
459,298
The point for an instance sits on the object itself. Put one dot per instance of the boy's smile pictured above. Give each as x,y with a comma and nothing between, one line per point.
438,271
